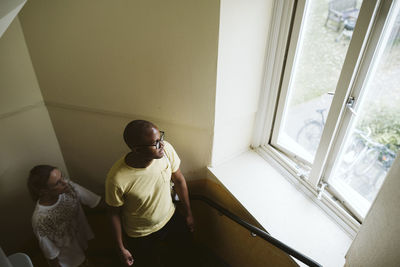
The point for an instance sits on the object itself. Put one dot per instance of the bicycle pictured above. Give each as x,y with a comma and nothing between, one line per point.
310,134
359,156
369,152
362,154
365,163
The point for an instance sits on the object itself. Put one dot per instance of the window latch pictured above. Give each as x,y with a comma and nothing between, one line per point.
321,190
301,172
350,105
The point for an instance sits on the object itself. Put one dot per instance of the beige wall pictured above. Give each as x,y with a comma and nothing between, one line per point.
102,63
243,34
378,241
224,237
27,137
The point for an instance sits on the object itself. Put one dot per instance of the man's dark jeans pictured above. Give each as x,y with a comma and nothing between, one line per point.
169,246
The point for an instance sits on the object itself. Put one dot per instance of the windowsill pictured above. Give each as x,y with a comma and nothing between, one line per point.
284,211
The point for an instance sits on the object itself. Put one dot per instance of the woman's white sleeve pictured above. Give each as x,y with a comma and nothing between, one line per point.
86,196
48,248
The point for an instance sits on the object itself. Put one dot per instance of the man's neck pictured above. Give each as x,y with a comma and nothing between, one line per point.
135,161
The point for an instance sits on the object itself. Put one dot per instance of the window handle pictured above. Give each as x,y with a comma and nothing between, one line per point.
302,172
321,190
350,105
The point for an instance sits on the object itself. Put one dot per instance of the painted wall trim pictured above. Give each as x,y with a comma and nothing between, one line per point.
9,9
105,112
22,110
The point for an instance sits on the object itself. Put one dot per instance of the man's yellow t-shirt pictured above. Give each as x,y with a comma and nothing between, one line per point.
143,193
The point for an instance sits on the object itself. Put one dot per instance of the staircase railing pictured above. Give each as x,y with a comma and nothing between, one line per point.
257,231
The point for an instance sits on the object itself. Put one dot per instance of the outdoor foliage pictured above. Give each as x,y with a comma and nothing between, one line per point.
384,124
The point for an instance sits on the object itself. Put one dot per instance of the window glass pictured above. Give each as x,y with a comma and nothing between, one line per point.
323,43
373,138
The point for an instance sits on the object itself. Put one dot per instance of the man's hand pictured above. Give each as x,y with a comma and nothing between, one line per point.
115,221
126,257
190,222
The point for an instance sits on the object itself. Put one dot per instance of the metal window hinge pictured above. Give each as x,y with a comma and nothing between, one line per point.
350,105
321,189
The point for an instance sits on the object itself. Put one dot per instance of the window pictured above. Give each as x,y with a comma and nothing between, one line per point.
331,114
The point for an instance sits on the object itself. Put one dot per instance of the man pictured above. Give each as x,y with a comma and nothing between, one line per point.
139,197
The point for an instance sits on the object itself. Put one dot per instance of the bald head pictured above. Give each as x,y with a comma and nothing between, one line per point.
136,131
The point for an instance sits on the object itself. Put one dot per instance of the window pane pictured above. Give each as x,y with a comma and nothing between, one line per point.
374,136
323,43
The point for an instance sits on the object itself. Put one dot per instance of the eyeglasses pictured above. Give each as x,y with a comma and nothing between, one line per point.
158,142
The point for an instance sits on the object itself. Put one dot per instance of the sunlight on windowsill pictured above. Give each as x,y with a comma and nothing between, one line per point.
284,211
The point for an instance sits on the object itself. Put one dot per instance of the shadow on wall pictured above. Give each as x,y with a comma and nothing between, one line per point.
17,208
214,233
91,142
231,242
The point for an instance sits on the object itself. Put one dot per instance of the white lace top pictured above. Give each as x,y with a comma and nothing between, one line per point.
62,228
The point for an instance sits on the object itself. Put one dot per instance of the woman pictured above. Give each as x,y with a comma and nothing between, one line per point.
58,221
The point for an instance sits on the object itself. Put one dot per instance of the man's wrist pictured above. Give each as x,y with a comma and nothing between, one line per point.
188,212
121,247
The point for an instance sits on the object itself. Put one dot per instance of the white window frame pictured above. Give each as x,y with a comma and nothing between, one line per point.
281,56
